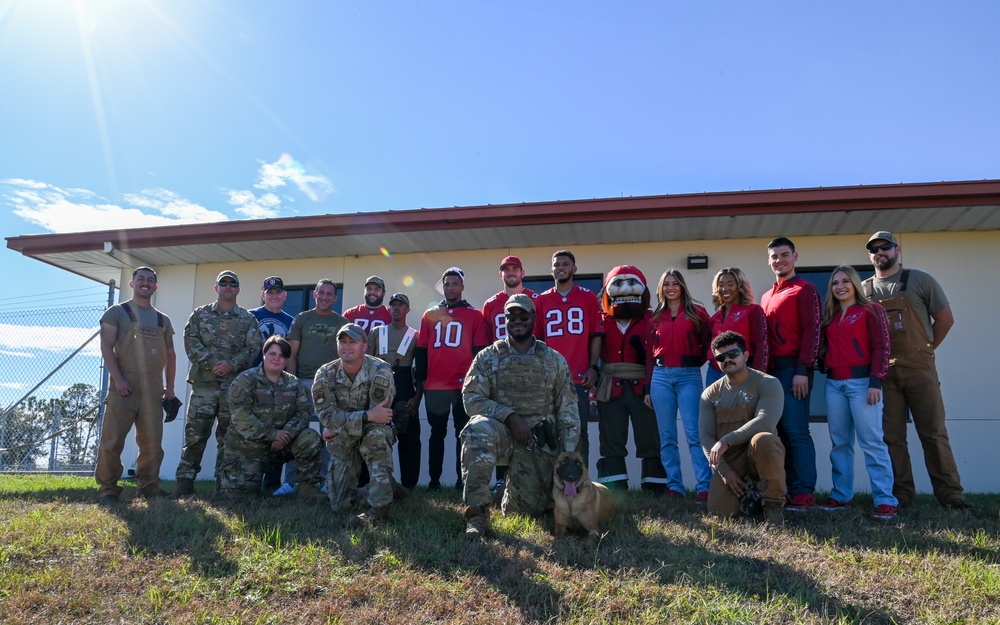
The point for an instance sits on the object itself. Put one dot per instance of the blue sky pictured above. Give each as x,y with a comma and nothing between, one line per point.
124,113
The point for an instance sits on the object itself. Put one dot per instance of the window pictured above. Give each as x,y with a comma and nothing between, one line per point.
300,298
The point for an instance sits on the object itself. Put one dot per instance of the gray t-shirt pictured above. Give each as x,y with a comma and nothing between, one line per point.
317,337
147,317
923,292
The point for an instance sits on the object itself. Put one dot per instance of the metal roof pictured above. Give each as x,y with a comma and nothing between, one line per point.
910,207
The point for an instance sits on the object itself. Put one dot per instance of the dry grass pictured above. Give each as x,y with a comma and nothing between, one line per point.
65,560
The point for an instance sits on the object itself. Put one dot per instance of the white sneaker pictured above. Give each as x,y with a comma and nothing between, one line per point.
285,490
323,490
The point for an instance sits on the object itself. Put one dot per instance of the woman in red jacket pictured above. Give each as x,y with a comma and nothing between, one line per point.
735,310
855,357
679,336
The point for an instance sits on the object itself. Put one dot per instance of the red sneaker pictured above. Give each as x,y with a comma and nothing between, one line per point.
673,494
800,502
832,504
702,498
885,512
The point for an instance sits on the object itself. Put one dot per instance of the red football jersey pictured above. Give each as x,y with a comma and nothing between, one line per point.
451,337
369,318
568,323
496,323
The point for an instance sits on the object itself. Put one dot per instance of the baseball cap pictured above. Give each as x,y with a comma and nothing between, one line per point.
511,260
227,273
885,235
519,300
376,280
274,282
352,330
400,297
453,271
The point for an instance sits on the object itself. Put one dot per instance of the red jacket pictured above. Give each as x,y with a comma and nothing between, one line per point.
677,342
750,323
632,346
857,345
793,318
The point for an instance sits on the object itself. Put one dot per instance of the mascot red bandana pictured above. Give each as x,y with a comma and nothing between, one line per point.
625,295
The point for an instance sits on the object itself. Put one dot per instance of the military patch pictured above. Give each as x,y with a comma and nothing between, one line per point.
381,381
378,394
319,398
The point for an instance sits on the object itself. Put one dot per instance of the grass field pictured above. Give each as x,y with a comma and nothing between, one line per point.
63,559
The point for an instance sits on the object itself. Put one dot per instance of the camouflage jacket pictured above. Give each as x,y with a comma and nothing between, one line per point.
260,407
341,402
212,334
535,384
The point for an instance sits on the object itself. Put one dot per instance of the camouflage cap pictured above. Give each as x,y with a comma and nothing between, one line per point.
399,297
352,330
227,273
519,301
376,280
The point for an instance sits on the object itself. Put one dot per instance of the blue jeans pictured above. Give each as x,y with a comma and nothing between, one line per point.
674,388
793,429
712,376
848,413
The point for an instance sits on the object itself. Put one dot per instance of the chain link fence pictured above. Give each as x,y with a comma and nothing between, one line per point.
50,389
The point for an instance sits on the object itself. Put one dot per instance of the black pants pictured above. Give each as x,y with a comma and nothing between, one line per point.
408,441
439,404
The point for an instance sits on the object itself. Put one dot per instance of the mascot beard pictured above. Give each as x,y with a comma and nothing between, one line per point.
625,295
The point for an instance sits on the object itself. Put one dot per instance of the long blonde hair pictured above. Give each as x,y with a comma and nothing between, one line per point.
688,304
742,286
832,306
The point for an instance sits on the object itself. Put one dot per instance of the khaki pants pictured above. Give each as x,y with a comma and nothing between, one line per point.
143,408
764,460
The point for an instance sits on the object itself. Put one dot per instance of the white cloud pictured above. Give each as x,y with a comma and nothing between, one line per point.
17,386
252,207
23,339
17,354
71,210
286,169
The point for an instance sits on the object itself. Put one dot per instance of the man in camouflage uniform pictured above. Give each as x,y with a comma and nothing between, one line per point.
221,339
353,398
270,425
516,388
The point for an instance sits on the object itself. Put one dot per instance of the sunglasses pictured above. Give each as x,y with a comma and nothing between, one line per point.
228,283
885,247
520,316
728,355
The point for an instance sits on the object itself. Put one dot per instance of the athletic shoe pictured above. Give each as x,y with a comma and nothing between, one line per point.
285,490
702,498
323,488
800,502
673,494
832,504
884,512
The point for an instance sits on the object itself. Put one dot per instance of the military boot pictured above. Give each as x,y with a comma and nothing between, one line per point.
477,522
185,487
374,516
399,492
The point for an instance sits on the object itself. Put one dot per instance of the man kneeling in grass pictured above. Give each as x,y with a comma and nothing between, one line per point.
737,422
270,425
515,388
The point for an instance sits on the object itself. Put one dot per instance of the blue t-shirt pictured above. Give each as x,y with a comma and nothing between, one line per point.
270,324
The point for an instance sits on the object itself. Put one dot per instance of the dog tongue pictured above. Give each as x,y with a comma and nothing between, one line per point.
570,489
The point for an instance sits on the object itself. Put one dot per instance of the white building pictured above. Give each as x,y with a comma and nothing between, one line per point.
951,229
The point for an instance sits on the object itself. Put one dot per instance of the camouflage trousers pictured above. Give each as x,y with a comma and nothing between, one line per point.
245,462
348,454
209,402
487,443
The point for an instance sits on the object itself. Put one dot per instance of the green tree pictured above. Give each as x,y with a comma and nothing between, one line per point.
20,434
77,412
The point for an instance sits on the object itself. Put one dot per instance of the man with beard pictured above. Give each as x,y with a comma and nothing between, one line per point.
451,333
919,319
794,315
737,426
571,324
372,313
517,388
396,343
511,274
625,382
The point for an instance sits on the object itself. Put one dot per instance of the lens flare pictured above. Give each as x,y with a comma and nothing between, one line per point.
408,281
385,252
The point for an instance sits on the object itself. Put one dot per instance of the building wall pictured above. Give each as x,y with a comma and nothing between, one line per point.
965,263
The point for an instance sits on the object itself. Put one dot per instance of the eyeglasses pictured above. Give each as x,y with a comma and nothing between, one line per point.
228,283
728,355
521,316
885,247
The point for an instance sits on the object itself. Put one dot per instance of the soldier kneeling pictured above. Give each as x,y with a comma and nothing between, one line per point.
270,425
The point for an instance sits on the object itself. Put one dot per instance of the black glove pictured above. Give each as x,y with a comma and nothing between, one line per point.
170,409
